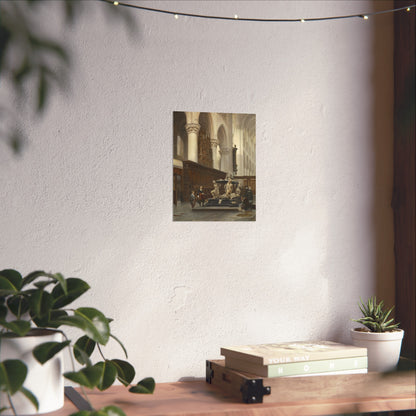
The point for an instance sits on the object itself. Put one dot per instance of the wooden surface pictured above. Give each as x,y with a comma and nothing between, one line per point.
202,399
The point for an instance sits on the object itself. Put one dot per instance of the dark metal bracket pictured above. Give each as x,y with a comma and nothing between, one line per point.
209,372
253,391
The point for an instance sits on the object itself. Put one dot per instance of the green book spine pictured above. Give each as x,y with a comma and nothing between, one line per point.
299,368
311,367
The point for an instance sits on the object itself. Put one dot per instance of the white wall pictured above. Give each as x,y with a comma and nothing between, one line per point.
91,196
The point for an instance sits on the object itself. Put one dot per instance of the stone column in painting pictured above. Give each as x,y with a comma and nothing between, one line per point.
192,129
226,160
215,155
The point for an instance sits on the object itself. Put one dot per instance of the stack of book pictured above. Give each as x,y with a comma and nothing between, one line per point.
296,359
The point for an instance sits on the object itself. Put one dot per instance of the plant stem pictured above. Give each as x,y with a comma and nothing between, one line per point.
73,369
101,353
11,404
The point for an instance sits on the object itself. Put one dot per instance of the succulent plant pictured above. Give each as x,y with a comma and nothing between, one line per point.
375,317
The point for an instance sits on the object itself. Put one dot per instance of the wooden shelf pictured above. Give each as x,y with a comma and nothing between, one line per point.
299,396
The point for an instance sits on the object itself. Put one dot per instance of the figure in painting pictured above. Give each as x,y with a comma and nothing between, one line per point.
216,191
229,188
247,199
200,196
192,199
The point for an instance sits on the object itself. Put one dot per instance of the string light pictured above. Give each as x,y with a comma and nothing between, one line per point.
247,19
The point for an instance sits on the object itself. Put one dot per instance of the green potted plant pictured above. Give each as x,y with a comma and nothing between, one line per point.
380,334
34,311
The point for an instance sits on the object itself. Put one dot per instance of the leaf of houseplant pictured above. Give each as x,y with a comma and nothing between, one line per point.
31,277
105,411
98,328
55,315
13,276
40,304
18,327
30,396
88,376
75,288
12,375
45,351
110,411
125,371
83,349
18,305
108,374
7,287
91,321
3,312
145,386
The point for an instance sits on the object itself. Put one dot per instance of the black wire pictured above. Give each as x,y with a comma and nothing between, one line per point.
245,19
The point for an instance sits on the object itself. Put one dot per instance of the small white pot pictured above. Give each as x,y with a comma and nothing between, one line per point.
383,348
44,381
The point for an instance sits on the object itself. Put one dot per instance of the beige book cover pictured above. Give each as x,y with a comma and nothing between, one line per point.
289,352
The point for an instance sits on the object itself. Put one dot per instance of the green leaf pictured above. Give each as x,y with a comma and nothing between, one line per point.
145,386
110,411
13,276
31,277
45,351
18,327
125,371
83,349
83,413
88,376
12,375
43,89
105,411
75,288
75,321
108,374
98,328
40,304
55,316
6,287
89,320
20,73
54,277
30,396
50,45
18,305
3,312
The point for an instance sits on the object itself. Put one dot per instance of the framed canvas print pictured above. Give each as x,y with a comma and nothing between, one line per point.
214,166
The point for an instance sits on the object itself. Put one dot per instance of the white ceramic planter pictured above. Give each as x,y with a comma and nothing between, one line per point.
383,348
44,381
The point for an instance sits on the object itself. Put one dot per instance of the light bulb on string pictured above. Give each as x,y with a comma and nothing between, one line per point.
248,19
176,17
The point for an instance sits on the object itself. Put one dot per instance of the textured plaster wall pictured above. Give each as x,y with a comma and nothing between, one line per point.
91,196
